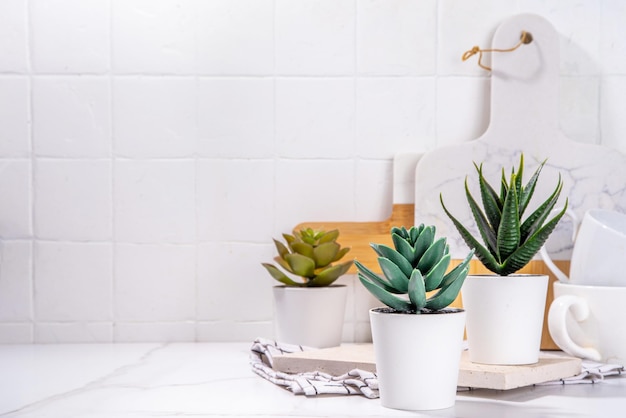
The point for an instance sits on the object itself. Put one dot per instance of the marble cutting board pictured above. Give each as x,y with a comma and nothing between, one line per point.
339,360
524,117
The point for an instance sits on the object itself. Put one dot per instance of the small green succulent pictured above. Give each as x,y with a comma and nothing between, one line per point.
510,243
309,254
417,265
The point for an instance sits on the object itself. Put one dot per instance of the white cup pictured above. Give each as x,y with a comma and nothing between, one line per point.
589,321
599,250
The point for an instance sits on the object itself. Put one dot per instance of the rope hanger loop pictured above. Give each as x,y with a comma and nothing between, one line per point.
525,38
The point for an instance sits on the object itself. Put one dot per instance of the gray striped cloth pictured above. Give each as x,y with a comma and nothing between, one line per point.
355,382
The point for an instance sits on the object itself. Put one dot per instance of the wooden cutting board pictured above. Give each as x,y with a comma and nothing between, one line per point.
337,361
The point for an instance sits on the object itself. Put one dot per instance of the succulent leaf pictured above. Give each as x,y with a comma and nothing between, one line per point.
446,295
404,247
301,248
280,276
328,275
375,278
341,253
325,253
435,275
432,255
397,258
281,248
423,241
509,228
490,199
329,236
416,290
301,265
394,274
386,297
486,231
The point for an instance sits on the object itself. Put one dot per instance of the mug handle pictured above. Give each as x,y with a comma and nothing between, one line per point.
557,325
544,253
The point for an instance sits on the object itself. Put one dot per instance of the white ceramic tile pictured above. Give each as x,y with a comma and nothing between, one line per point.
315,117
315,37
612,104
579,108
230,195
463,25
463,108
613,37
225,331
153,36
235,37
154,201
16,283
134,332
15,189
154,117
374,194
74,332
394,115
71,116
313,190
70,36
16,333
73,281
396,37
15,115
13,36
236,117
154,282
73,200
578,25
232,284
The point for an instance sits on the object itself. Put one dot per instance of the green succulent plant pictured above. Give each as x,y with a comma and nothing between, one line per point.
417,265
309,254
510,242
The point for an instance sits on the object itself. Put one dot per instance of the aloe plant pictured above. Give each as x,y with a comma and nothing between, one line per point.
309,254
417,265
510,243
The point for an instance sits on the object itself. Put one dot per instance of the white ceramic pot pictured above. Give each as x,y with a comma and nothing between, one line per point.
417,358
504,317
310,316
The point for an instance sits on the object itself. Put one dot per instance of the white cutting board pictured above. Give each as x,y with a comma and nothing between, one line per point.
524,118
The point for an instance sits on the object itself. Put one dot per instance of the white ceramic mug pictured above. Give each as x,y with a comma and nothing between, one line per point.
589,321
599,250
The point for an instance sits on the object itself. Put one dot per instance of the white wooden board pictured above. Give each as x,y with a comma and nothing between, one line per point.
524,118
339,360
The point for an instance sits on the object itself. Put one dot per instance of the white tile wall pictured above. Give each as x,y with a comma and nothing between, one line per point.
150,149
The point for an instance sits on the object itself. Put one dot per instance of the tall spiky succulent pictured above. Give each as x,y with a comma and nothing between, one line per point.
417,265
309,254
510,243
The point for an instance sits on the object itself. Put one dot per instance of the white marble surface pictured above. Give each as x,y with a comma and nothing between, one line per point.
214,379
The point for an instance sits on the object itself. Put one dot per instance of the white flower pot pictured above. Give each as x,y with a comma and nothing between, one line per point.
504,317
310,316
417,358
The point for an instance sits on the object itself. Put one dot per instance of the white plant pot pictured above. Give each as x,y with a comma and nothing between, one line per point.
504,317
310,316
417,358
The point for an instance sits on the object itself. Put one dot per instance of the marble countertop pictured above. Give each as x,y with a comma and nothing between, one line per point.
215,379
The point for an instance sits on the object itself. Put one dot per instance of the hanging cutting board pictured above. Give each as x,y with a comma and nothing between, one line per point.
524,118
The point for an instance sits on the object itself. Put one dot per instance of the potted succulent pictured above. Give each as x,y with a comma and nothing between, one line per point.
505,310
309,308
417,338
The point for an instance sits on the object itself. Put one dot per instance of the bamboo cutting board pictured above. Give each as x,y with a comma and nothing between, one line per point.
337,361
